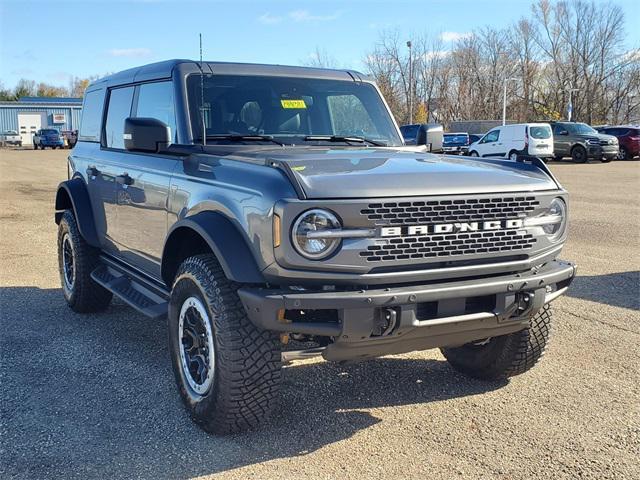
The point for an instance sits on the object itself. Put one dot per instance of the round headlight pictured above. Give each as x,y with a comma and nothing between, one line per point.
558,209
314,222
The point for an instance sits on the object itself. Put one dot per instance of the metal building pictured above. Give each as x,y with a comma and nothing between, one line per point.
30,114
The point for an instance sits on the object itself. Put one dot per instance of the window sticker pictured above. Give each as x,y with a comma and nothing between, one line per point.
293,104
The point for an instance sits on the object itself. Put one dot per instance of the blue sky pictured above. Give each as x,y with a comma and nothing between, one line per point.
54,40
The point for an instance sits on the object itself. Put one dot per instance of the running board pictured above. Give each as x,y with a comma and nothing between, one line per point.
133,290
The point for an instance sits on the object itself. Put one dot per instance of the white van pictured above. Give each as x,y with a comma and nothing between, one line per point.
509,141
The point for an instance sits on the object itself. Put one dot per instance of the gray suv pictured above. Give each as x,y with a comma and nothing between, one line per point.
273,213
582,143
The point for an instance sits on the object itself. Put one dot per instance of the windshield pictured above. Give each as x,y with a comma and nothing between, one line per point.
540,133
49,132
289,110
455,139
581,129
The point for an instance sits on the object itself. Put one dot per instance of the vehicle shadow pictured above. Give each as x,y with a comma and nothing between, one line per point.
93,396
621,289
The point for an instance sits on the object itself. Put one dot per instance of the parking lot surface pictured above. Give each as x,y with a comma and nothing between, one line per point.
93,396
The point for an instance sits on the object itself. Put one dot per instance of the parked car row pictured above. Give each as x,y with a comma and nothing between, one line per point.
549,140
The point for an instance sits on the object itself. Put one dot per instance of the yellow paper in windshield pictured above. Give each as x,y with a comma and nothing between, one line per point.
297,104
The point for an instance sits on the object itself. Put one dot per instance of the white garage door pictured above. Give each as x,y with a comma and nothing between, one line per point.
28,124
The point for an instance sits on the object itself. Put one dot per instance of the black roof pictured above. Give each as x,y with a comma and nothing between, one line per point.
165,69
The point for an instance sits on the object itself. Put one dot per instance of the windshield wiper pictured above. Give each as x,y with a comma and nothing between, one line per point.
346,139
241,138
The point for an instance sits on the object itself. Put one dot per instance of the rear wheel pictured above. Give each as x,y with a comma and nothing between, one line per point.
513,155
35,146
504,356
227,369
76,260
579,154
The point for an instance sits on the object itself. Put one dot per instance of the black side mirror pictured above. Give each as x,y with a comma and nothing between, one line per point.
145,134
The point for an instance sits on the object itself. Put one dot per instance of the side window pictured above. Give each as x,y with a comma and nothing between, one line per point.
559,130
349,116
492,136
91,116
155,100
119,109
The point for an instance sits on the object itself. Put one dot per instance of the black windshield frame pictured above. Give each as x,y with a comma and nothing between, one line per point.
288,109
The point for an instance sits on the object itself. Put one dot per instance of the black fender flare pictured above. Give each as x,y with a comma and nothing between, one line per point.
73,195
224,239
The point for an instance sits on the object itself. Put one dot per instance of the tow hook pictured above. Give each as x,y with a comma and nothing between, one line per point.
387,322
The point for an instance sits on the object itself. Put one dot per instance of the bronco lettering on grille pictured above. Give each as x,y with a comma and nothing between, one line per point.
450,227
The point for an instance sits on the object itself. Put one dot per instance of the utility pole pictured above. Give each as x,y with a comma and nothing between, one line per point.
570,106
410,83
504,98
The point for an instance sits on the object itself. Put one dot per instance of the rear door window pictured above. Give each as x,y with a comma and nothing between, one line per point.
119,109
91,116
540,132
155,100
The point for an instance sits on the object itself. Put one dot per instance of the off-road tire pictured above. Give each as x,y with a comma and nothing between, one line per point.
504,356
85,295
579,154
247,368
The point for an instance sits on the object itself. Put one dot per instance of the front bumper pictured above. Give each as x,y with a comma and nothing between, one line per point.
424,316
599,151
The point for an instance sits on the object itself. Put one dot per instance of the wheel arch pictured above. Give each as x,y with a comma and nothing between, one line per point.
210,232
73,195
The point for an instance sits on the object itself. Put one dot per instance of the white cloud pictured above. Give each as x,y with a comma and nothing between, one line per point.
454,36
268,19
631,55
436,54
129,52
306,16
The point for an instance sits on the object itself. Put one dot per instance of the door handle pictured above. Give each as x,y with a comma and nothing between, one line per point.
92,172
124,179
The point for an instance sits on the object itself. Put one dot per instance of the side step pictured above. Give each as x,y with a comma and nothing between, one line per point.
134,291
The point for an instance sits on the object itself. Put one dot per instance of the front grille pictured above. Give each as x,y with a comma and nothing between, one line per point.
439,211
429,246
605,142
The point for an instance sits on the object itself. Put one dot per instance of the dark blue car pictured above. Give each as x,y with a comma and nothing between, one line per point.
455,143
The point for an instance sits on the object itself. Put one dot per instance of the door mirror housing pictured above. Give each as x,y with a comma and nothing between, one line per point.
145,134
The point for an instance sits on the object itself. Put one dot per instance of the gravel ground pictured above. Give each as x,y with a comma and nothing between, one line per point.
93,396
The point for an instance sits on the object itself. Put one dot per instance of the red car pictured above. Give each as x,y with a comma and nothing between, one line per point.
628,138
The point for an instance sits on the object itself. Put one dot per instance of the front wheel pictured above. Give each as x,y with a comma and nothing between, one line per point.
35,146
623,154
579,154
473,153
226,368
513,156
504,356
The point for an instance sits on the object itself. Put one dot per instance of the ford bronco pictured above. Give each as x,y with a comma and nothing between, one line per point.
272,213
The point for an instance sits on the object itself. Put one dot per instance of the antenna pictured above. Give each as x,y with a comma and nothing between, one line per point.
204,124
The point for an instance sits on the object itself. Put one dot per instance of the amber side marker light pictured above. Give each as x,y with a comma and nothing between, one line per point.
276,230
